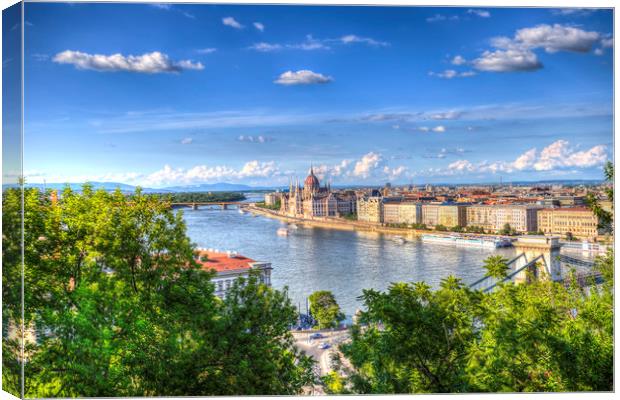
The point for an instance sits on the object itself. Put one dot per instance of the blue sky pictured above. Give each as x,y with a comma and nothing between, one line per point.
184,94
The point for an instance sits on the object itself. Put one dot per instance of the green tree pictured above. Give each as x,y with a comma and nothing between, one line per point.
412,339
507,230
325,309
541,336
120,308
605,217
496,266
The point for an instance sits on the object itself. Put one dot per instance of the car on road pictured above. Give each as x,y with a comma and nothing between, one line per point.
316,336
324,346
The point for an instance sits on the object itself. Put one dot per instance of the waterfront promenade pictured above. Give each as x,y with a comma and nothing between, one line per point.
349,225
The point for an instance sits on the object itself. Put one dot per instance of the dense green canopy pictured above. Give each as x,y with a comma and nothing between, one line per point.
120,308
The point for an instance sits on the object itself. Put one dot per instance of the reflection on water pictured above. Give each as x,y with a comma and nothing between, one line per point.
344,262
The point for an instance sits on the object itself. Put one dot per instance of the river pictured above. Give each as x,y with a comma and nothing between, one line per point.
343,262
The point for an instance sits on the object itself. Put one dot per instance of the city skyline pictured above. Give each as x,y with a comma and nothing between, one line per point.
163,95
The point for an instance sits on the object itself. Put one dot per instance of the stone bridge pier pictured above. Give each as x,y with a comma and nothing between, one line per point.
534,246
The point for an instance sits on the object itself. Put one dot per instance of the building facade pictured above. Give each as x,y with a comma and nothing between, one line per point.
579,222
312,200
521,218
370,209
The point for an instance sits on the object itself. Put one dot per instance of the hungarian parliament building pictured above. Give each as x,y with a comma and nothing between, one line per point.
312,200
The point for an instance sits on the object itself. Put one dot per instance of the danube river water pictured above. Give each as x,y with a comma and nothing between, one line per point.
344,262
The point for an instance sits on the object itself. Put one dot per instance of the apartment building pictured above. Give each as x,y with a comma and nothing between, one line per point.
521,218
579,222
370,209
402,213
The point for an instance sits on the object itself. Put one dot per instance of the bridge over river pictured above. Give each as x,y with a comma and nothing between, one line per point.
224,205
539,258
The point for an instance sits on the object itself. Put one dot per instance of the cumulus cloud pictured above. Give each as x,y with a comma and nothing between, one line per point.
151,63
439,129
479,13
367,164
557,156
203,173
302,77
507,61
517,53
233,23
187,140
458,60
554,38
259,26
450,73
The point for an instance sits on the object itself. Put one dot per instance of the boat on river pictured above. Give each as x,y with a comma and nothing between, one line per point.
282,232
490,242
399,239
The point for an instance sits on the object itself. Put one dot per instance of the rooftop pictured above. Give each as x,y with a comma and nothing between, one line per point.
223,262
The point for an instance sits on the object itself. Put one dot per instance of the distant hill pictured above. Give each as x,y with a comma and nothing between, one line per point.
108,186
216,187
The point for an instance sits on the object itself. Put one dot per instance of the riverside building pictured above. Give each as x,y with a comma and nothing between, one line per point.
448,215
312,200
521,218
579,222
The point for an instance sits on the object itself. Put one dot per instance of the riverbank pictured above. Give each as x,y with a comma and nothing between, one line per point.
348,225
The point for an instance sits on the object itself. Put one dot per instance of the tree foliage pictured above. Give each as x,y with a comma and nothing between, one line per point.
542,336
496,266
325,309
120,308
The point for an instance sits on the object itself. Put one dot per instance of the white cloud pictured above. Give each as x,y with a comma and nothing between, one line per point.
265,47
458,60
302,77
367,164
150,63
559,155
516,54
233,23
450,73
347,39
607,42
162,6
554,38
507,61
598,52
312,43
207,50
259,26
480,13
203,173
187,140
439,129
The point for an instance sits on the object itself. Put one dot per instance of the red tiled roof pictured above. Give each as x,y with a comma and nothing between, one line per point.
221,262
